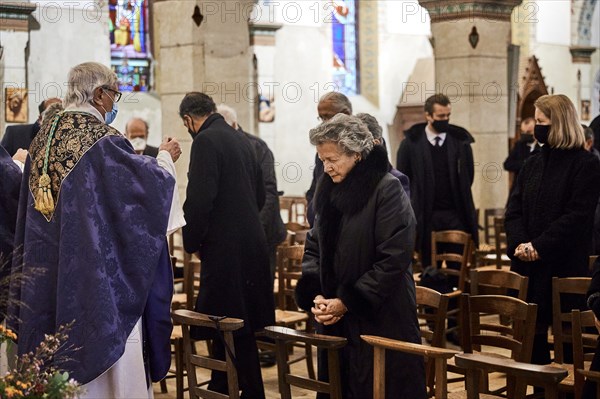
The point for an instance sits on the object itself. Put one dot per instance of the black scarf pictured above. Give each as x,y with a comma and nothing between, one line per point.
350,196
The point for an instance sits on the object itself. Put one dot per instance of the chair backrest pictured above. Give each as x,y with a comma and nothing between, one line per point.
516,337
452,237
294,207
524,373
227,326
561,316
582,323
500,242
289,271
283,336
297,232
498,282
191,279
432,310
436,356
593,259
489,225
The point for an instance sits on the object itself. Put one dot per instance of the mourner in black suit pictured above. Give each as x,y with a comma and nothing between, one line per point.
20,136
136,131
225,194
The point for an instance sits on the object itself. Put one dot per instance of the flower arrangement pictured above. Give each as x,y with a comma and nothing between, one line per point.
34,375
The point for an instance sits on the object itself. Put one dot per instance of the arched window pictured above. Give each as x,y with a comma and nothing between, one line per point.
345,46
130,44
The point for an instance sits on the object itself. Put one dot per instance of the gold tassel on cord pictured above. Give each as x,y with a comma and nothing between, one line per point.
43,200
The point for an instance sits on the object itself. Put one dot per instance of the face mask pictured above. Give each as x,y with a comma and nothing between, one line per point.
541,133
191,131
441,126
138,143
109,117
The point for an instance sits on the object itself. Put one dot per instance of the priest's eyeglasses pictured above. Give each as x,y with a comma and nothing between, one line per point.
118,94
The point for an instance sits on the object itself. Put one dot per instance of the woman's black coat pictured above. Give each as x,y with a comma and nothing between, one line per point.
553,206
360,251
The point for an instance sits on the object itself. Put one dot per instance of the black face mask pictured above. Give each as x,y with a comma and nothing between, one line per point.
541,133
191,131
441,126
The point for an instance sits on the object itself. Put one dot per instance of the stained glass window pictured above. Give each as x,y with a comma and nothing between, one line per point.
129,43
345,46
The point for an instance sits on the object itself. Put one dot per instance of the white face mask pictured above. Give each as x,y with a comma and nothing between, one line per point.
138,143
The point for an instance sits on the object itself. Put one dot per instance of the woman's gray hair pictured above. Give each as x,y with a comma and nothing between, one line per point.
86,77
349,132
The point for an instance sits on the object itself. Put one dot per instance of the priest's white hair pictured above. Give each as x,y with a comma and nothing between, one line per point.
84,79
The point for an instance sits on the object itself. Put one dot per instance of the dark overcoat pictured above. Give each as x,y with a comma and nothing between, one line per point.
414,160
224,196
19,136
552,206
360,251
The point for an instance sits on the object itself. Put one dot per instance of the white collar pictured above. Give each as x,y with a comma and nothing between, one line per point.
86,108
431,136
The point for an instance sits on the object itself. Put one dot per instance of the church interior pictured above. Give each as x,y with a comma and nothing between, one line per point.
272,62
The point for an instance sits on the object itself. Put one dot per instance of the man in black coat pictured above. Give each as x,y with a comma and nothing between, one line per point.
270,214
20,136
136,131
224,196
437,158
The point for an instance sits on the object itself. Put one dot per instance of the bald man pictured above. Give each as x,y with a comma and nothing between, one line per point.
136,131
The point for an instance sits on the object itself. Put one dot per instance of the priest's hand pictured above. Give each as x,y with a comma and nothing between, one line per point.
172,146
20,155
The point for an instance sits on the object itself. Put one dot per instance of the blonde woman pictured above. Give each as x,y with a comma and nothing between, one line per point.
550,213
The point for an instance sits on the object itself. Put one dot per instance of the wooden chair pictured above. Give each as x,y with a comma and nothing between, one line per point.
452,237
523,373
561,320
432,308
436,356
517,338
592,261
489,223
497,255
287,314
583,322
297,232
294,207
283,337
227,326
498,282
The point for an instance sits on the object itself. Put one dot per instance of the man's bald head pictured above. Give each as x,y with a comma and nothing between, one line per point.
332,104
136,127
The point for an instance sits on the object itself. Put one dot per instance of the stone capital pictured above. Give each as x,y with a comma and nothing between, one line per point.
582,54
452,10
15,15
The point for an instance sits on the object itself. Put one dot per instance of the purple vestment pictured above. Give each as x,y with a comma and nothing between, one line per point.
102,258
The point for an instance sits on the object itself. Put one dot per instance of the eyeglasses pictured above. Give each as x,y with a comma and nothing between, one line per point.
118,94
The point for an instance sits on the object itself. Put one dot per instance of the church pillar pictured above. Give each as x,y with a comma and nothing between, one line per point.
470,40
14,43
202,46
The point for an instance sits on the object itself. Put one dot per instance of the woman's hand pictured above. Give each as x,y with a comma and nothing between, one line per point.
328,311
526,252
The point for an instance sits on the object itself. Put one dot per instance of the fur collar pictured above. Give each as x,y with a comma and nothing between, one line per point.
352,194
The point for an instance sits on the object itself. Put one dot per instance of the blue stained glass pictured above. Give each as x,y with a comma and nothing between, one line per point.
345,42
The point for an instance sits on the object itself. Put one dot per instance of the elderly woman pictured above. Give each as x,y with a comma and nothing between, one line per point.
90,244
550,212
356,273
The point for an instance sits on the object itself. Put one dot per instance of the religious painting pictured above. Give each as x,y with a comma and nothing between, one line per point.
344,17
585,110
129,43
16,105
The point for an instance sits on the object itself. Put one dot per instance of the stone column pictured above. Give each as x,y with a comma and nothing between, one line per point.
14,42
202,46
470,39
